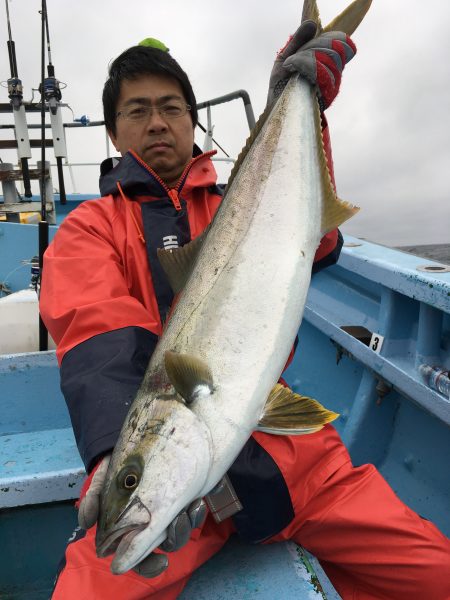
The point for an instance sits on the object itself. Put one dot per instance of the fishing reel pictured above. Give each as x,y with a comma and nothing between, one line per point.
15,92
52,93
35,275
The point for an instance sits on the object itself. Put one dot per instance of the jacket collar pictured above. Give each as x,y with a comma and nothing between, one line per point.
137,179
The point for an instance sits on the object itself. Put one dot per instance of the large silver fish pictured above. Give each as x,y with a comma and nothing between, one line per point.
212,379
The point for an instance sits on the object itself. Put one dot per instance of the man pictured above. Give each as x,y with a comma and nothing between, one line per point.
104,299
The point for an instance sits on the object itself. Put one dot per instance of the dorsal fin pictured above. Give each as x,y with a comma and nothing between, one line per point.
178,263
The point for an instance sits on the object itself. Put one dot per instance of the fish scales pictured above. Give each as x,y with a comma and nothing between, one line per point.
239,312
231,331
243,304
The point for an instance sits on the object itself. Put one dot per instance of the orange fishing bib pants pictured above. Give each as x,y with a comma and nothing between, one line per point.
369,543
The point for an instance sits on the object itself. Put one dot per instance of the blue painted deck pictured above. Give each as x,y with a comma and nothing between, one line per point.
389,416
262,573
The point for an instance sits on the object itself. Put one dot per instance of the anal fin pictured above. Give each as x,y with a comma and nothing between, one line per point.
334,211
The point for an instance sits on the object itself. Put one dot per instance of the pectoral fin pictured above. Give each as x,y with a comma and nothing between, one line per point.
288,413
178,263
189,375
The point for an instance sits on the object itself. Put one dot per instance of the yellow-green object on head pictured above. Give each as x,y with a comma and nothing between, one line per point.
154,43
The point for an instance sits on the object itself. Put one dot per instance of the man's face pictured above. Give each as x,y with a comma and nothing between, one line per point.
164,144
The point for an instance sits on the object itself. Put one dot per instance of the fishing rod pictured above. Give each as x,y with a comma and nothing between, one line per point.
15,94
43,223
52,95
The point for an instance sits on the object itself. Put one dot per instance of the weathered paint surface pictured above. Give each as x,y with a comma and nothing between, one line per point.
261,572
39,461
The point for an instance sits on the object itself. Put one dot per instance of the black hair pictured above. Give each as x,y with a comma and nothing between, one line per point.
132,64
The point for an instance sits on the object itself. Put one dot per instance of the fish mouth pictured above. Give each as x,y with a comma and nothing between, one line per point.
119,540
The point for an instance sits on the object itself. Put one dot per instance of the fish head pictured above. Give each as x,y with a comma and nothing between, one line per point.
155,472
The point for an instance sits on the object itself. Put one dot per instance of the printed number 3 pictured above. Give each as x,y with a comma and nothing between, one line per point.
376,342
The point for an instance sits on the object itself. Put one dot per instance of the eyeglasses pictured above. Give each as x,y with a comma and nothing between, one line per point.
139,112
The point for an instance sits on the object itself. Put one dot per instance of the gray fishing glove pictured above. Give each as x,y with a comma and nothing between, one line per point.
222,502
178,532
320,60
89,505
279,75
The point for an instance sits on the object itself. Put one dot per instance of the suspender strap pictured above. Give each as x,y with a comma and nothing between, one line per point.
260,486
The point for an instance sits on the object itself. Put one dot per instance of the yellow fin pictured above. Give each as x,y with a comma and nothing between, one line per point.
288,413
311,13
350,18
189,375
178,263
347,21
334,211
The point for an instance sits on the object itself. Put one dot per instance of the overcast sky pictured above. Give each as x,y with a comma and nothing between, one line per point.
389,125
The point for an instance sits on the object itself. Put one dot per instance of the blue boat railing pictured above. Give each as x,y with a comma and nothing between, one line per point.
369,323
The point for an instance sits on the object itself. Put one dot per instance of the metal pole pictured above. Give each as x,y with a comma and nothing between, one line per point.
15,94
43,224
234,96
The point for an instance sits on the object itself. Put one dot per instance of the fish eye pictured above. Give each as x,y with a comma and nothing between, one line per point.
129,476
130,481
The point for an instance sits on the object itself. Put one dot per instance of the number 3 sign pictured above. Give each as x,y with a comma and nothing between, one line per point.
376,342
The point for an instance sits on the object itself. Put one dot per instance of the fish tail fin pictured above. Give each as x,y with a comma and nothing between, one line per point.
350,18
347,21
311,13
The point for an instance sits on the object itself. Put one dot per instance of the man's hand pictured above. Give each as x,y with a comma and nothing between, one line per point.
178,532
320,60
89,505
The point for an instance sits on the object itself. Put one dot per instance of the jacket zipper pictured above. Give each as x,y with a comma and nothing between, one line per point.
173,193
